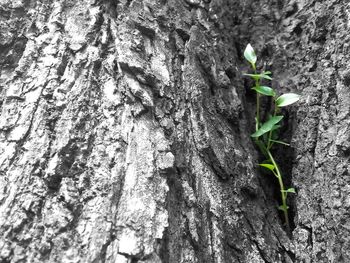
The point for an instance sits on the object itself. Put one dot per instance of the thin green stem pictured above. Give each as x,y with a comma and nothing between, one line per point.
269,144
280,142
254,67
283,193
257,124
264,145
257,84
275,174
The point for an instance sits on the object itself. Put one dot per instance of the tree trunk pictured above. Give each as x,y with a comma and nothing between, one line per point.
125,131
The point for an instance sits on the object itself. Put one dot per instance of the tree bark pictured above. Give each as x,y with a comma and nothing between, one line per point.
125,131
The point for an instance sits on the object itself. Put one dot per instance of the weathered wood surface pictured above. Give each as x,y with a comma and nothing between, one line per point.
124,131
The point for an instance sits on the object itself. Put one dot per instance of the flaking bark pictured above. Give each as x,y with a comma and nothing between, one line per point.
125,131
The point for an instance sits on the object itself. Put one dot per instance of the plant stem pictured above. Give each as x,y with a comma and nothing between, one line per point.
283,193
257,84
257,111
269,144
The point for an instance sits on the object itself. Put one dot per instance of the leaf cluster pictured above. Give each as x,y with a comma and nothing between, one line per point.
279,101
265,135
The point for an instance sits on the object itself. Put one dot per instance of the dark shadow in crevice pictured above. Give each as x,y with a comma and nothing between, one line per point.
284,156
169,247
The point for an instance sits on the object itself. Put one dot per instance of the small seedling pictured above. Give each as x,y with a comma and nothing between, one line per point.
265,135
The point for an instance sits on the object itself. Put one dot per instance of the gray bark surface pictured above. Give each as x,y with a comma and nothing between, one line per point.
125,131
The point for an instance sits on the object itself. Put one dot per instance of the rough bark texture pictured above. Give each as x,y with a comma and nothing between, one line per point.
124,131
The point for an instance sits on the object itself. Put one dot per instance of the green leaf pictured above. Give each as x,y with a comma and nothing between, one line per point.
271,167
289,190
276,127
258,76
287,99
280,142
267,73
283,208
265,90
249,54
267,126
265,76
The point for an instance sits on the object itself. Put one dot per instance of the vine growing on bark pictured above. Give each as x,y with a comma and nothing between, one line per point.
266,133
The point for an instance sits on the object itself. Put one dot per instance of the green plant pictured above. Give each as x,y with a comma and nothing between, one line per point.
266,134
